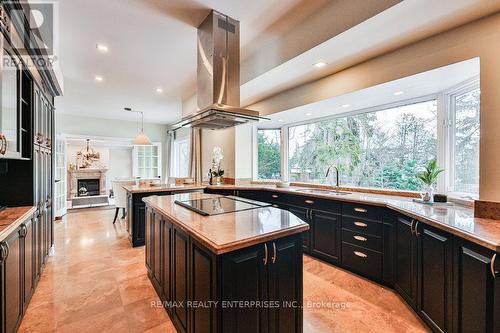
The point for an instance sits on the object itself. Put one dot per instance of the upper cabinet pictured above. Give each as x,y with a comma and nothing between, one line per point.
10,102
147,161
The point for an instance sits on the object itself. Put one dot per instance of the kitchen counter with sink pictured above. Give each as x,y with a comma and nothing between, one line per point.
456,219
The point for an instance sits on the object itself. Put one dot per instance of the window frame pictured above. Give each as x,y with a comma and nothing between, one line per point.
445,133
255,153
449,125
174,163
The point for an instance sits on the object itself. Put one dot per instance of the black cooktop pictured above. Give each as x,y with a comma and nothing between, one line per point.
220,205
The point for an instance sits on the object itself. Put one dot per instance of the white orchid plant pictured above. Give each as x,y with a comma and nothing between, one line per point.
217,157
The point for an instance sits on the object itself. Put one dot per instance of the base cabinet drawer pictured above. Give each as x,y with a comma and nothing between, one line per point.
364,240
361,225
362,260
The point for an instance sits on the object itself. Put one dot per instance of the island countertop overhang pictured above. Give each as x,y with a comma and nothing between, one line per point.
231,231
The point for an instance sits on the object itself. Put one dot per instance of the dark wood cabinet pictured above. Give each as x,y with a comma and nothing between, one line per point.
136,215
12,283
180,276
476,286
326,241
435,269
405,260
270,273
247,267
304,215
28,232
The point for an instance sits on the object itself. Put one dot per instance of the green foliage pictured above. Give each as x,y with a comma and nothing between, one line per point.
379,149
269,155
430,174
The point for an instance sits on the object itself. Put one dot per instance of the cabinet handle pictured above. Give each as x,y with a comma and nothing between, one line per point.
2,144
360,254
24,230
274,196
412,227
492,266
3,252
360,210
274,253
310,202
360,224
360,238
265,254
416,227
3,148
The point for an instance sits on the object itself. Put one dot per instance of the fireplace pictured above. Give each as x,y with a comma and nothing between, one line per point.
89,174
88,187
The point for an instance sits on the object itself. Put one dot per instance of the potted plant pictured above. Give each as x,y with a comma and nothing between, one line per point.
429,177
216,172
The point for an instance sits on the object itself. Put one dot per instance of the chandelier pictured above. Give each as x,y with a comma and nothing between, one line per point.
87,155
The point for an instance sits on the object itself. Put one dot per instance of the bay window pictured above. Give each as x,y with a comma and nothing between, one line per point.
382,147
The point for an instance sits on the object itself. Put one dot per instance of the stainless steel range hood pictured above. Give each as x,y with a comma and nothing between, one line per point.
218,76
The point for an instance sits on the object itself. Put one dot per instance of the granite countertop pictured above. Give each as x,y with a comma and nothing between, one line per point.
231,231
455,219
11,218
161,188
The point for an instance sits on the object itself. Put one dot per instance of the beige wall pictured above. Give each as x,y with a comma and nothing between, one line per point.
477,39
223,139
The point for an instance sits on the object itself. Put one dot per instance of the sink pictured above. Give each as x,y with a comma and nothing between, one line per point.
322,191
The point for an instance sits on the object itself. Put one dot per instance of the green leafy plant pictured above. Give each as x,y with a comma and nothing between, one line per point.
430,174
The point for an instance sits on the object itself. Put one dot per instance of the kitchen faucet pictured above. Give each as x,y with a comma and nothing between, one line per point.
336,173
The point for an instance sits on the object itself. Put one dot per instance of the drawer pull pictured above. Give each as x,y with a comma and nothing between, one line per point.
265,254
360,238
360,210
276,206
492,266
360,254
274,196
360,224
309,202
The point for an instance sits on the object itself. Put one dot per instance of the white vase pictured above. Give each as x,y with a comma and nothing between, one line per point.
427,194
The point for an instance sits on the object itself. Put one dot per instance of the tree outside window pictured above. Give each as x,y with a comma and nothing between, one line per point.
269,154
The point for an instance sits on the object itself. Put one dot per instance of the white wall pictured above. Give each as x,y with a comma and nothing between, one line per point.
118,160
112,128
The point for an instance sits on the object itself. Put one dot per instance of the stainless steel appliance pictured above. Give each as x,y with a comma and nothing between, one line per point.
218,76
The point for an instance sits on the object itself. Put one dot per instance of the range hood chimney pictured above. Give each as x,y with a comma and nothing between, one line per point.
218,76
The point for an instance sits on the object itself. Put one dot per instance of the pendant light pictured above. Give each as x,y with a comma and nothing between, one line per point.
141,139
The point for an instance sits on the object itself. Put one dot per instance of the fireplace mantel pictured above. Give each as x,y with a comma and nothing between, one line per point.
90,173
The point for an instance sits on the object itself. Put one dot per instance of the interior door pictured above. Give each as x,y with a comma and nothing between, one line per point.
60,177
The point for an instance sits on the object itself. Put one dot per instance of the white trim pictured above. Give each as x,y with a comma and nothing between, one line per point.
255,152
449,138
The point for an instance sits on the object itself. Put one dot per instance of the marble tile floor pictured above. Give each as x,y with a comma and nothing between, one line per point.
95,282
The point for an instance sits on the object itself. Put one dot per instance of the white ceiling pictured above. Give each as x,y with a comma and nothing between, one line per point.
415,86
152,44
402,24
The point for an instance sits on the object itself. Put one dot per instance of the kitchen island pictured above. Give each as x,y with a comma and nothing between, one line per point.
136,208
237,269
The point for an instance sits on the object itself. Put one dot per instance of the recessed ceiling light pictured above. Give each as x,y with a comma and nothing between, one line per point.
320,64
102,48
99,78
397,93
159,90
346,105
309,114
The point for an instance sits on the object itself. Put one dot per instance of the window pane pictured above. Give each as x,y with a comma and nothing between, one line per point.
269,154
466,163
382,149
